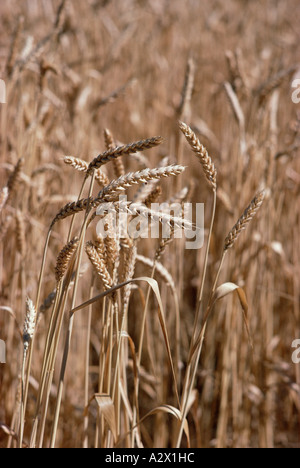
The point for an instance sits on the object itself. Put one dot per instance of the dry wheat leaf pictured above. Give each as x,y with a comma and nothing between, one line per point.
107,410
169,409
228,288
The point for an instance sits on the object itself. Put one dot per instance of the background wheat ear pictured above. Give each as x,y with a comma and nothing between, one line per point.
201,153
244,220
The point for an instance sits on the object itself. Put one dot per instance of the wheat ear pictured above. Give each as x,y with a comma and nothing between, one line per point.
114,153
82,166
110,144
201,152
117,186
244,220
64,258
29,324
15,176
99,265
71,208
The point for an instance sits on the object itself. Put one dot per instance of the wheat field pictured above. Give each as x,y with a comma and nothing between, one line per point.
115,340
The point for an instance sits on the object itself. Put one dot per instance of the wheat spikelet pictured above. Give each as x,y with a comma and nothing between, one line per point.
99,265
77,163
64,258
101,178
110,242
101,249
82,166
201,152
137,209
71,208
153,196
129,268
20,233
29,324
112,191
244,220
163,244
117,163
114,153
3,197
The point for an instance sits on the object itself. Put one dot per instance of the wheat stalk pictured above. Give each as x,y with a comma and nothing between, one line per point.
201,152
114,153
244,220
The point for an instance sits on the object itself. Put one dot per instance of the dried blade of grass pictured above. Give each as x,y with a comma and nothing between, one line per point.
168,409
228,288
154,285
114,153
107,409
13,315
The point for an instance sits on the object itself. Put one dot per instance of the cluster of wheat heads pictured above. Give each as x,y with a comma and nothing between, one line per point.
113,260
